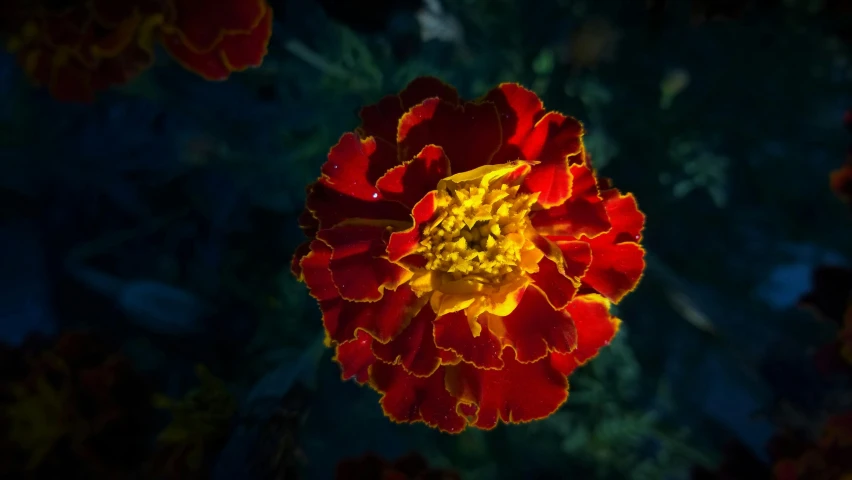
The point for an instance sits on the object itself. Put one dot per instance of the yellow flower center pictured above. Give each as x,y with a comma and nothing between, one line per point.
479,230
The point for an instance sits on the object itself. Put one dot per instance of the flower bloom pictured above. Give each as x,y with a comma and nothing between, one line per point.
80,47
464,255
71,406
828,457
197,431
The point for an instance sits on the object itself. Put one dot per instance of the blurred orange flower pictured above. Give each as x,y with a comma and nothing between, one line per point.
464,255
78,47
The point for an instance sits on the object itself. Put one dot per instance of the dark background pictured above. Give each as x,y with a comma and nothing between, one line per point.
163,216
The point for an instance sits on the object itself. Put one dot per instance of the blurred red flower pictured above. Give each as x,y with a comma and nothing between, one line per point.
464,255
829,457
77,47
73,407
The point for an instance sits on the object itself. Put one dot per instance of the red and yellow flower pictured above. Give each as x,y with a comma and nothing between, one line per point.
78,47
464,255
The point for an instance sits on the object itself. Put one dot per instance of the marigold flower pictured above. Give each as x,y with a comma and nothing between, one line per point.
71,406
464,255
78,47
828,457
200,424
215,41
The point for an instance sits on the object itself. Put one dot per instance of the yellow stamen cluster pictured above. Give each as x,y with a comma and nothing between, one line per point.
478,232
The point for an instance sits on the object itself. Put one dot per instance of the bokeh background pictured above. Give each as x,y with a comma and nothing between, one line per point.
163,218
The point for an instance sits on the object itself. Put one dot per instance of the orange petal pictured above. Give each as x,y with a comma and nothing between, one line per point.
347,188
410,399
244,50
202,26
355,357
414,348
405,243
452,332
534,328
357,267
410,182
596,327
469,134
582,214
519,392
383,319
617,260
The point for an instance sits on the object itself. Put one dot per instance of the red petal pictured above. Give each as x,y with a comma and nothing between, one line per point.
295,264
308,223
244,50
315,272
422,88
357,267
71,83
534,328
347,188
414,348
409,399
410,182
452,332
624,215
582,214
382,119
519,392
202,26
551,180
403,244
383,319
556,142
208,65
596,327
519,110
469,134
354,166
560,286
841,182
355,357
617,261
